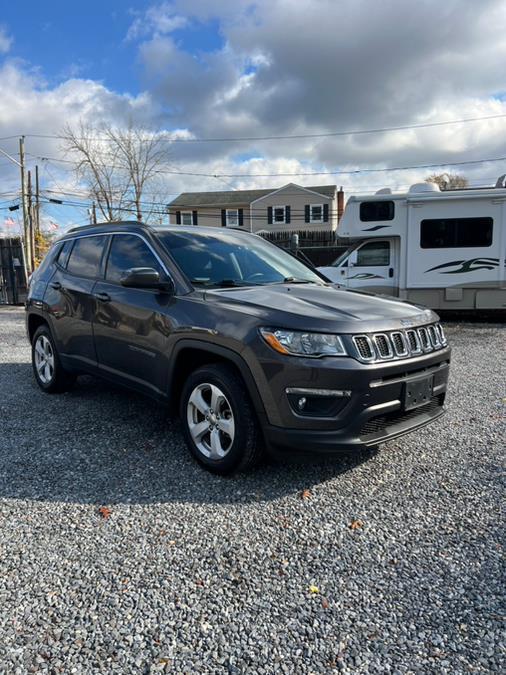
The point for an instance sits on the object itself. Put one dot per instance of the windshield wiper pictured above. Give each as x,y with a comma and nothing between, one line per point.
295,280
223,283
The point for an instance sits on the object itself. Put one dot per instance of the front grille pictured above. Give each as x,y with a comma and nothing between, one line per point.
383,346
399,344
380,424
364,347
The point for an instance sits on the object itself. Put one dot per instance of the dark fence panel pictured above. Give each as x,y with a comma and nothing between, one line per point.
13,284
323,256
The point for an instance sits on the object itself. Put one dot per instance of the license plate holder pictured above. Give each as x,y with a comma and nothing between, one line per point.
418,392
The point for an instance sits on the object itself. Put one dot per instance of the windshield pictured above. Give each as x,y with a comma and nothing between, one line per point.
342,256
230,259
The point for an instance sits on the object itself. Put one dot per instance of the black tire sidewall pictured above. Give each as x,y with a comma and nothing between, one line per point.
244,418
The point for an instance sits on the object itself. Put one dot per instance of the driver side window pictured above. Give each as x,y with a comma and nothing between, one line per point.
374,254
128,251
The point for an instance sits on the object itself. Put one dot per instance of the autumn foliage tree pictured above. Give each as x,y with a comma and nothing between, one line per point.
448,181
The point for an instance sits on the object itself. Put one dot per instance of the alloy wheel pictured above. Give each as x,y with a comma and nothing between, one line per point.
210,421
44,359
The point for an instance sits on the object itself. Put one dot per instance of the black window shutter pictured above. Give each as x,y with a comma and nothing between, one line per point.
287,214
269,215
241,217
325,213
307,213
178,217
195,218
223,218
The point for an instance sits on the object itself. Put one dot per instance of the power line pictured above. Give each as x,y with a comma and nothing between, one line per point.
300,173
355,132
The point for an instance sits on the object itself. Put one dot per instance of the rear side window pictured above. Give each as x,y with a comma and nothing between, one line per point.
84,260
128,251
456,232
372,211
63,256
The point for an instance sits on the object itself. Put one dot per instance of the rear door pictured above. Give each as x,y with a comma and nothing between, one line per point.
131,325
373,266
69,298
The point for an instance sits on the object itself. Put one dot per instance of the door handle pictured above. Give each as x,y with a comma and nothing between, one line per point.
103,297
56,285
391,272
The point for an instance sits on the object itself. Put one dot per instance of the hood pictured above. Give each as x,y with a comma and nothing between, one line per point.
308,306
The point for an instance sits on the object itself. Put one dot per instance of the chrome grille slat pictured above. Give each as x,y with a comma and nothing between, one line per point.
399,344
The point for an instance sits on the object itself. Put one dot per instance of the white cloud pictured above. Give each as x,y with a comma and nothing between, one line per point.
287,67
157,20
5,40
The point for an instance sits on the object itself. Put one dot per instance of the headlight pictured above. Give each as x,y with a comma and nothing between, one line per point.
300,343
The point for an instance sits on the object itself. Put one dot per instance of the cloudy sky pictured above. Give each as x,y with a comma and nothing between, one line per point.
229,69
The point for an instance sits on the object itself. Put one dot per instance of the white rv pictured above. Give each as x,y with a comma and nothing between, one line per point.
445,250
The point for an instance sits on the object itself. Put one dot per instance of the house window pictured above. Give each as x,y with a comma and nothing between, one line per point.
279,214
373,211
186,218
456,232
316,213
232,217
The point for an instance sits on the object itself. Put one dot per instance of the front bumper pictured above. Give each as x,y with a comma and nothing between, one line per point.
375,411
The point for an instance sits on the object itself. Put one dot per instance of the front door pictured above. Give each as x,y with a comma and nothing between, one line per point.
131,325
373,267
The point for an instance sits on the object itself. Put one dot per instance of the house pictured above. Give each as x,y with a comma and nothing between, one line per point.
285,211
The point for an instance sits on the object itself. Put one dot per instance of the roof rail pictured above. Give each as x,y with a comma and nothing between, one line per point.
115,223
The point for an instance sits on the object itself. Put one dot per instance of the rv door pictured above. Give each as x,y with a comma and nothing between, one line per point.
373,266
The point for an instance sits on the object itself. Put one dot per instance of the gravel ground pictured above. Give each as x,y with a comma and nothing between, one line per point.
390,562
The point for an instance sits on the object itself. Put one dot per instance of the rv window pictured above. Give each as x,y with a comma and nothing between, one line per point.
456,232
373,254
370,211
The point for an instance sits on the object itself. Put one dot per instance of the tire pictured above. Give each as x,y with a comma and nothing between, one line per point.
47,368
219,423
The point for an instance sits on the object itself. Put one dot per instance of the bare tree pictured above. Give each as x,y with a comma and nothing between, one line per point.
448,181
119,167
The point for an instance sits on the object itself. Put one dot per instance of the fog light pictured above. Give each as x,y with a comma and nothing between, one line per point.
301,403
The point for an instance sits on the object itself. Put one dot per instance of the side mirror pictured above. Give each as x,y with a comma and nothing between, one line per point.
145,277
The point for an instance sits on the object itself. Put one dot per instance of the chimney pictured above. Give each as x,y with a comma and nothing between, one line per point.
340,204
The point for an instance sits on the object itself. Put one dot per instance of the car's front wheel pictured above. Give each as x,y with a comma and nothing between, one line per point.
219,422
47,368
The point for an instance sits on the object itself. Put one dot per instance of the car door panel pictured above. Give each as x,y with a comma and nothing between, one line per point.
131,325
70,304
371,267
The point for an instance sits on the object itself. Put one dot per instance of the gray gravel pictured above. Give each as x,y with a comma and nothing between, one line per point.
192,573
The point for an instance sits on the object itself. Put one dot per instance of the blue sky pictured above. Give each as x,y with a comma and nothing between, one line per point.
88,39
250,68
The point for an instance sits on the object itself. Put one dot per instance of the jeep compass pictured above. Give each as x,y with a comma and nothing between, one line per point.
252,347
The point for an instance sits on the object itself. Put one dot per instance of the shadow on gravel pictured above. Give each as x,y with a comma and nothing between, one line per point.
101,444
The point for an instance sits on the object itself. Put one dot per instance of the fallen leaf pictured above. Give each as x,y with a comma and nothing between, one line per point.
306,494
172,542
356,524
325,603
104,511
314,590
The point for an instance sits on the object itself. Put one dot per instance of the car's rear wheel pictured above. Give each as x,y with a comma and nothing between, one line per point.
47,368
218,420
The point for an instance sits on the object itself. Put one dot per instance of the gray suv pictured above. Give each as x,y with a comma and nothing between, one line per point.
253,348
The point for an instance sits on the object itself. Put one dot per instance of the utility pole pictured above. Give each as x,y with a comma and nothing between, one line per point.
37,208
28,255
94,213
31,232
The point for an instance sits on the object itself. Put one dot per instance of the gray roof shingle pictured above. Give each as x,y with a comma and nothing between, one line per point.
236,197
